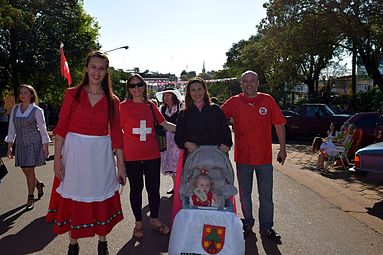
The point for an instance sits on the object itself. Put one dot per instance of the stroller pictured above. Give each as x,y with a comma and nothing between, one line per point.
215,229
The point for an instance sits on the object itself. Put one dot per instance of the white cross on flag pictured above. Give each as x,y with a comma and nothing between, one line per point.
142,130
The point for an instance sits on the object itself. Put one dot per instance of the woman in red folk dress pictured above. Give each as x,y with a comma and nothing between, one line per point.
85,199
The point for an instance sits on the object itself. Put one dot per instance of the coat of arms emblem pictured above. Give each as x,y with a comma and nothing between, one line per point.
213,238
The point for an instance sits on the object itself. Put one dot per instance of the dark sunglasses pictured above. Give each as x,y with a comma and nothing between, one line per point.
133,85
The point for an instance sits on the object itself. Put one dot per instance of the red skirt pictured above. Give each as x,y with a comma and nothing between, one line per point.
83,219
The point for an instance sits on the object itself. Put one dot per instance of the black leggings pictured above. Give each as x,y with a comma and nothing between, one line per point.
135,171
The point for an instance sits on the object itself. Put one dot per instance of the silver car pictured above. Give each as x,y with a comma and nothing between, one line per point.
369,159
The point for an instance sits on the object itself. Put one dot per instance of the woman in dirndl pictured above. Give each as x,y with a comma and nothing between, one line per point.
27,128
85,200
170,109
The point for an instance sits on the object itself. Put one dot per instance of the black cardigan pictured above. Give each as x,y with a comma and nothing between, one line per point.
174,117
205,127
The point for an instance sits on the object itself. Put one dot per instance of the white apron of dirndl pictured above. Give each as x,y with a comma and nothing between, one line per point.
90,169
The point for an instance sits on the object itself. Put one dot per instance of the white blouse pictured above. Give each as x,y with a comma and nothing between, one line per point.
39,115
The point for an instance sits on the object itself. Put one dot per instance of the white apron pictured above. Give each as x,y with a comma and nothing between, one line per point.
90,170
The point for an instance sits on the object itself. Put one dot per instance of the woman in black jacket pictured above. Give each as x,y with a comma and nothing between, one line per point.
201,123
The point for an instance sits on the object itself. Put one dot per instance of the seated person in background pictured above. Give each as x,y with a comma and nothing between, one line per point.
331,132
202,194
332,138
339,138
328,148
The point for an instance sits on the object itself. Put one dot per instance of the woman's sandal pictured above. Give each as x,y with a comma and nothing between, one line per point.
163,229
138,232
30,202
40,191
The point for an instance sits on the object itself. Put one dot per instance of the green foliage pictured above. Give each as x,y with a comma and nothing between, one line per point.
243,56
119,78
30,36
223,90
367,101
298,39
360,23
185,76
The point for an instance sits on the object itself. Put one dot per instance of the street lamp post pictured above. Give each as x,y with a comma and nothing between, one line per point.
122,47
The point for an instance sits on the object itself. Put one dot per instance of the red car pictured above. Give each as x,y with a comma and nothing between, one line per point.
379,127
367,121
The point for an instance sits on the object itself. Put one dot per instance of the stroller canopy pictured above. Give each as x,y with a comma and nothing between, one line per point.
218,167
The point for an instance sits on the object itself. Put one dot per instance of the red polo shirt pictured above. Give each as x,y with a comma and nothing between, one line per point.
253,119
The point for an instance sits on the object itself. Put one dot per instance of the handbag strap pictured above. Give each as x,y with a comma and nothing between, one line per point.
154,116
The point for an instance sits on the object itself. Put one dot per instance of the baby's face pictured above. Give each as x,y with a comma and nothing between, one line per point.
204,184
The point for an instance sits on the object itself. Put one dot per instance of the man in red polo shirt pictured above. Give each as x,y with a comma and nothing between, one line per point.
252,114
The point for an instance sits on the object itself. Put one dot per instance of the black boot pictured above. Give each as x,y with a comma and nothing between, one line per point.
102,248
73,249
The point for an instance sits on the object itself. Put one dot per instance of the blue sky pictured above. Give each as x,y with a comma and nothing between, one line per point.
173,35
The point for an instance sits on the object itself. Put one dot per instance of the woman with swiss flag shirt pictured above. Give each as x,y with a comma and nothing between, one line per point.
141,151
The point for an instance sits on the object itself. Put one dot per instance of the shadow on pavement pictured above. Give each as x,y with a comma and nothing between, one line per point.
270,247
251,244
376,210
153,242
32,238
7,219
3,149
336,175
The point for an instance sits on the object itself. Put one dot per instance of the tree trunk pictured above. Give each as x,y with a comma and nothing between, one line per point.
353,79
373,70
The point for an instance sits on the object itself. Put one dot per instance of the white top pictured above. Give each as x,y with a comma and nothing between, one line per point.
39,115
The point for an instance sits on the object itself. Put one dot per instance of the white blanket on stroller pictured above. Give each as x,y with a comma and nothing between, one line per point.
206,231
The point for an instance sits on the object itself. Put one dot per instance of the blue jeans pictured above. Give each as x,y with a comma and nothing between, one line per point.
264,175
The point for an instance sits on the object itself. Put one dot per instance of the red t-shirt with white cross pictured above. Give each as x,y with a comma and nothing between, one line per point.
137,124
253,119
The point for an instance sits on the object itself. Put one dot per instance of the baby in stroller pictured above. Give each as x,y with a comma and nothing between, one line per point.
207,222
202,193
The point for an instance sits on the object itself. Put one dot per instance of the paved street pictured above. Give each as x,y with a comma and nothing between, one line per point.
315,213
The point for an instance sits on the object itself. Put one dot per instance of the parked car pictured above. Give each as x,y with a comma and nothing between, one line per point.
379,127
311,119
288,113
369,159
367,121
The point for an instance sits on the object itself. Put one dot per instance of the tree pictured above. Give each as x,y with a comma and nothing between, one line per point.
242,56
30,36
360,22
187,75
297,42
119,79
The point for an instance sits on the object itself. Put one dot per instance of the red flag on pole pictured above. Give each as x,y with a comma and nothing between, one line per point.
64,65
